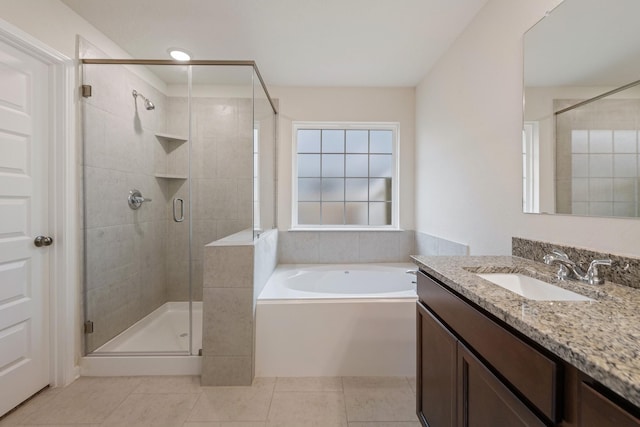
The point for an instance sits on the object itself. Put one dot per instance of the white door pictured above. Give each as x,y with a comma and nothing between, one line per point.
24,283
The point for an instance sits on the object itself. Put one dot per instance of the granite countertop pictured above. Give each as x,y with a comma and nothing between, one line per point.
600,338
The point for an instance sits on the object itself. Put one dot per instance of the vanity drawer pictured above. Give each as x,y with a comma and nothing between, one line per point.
596,410
529,371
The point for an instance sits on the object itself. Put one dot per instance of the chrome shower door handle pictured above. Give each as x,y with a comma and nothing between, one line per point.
177,218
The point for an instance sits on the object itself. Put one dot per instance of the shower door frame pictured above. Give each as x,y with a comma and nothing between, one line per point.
183,63
162,62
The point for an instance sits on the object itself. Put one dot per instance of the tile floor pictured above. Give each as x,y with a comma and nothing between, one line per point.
182,402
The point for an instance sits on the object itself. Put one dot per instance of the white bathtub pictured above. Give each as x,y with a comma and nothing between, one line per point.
337,320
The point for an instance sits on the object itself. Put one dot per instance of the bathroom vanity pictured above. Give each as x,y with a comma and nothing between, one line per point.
489,357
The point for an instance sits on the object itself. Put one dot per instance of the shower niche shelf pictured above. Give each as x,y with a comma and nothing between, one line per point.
175,163
177,139
170,176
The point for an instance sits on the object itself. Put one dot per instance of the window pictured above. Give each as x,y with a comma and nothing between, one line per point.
345,175
530,168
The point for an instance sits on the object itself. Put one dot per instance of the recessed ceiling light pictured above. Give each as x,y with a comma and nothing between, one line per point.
179,54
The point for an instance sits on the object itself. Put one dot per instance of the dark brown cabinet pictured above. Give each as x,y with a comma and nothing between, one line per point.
485,400
436,377
475,371
596,410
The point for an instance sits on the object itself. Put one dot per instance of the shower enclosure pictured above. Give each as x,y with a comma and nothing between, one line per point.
175,156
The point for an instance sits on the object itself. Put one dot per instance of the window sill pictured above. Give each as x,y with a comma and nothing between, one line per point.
345,229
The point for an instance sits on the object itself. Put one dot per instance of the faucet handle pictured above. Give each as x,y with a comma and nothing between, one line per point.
592,272
596,262
560,254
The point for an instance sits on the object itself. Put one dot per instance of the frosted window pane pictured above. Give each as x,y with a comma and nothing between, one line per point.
580,165
333,165
579,189
309,189
357,165
601,208
357,213
624,165
380,189
624,190
308,141
601,141
624,141
333,141
357,189
309,213
579,141
624,209
357,141
381,141
379,213
601,165
580,208
332,213
380,165
332,189
308,165
601,190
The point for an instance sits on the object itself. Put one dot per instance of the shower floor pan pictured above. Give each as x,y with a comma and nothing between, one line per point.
157,344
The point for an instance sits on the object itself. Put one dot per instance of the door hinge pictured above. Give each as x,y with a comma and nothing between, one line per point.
86,91
88,327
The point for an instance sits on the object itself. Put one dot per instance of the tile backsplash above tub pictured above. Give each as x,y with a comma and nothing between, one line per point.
427,244
319,247
624,271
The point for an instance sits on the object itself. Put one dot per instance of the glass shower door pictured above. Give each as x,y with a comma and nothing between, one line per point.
136,210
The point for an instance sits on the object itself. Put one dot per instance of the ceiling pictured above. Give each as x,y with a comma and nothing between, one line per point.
294,42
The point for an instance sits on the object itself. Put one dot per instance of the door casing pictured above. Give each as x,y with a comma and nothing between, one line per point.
63,202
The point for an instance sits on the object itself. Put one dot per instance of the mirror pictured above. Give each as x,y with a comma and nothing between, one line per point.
581,152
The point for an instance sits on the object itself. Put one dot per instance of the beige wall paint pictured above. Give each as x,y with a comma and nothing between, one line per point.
345,104
468,142
53,23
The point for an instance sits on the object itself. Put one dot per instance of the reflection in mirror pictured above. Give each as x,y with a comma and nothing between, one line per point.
582,110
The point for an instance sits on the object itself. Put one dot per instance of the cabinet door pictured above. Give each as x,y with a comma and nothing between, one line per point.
436,371
598,411
484,401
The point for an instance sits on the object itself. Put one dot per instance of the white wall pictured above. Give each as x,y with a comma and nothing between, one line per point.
468,145
345,104
53,23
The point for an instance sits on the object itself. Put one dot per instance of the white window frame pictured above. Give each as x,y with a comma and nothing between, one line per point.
531,171
395,185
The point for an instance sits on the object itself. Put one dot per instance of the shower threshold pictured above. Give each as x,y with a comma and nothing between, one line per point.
157,344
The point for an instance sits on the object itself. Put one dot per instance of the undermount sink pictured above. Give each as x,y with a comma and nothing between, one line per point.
532,288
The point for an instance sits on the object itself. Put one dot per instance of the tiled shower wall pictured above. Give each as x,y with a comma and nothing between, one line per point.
221,180
125,249
597,158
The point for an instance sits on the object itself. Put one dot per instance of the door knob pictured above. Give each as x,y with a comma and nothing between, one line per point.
43,241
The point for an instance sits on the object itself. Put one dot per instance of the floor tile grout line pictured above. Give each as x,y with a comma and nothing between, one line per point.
117,406
344,401
273,392
187,420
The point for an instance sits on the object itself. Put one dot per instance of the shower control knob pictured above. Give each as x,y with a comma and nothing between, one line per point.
43,241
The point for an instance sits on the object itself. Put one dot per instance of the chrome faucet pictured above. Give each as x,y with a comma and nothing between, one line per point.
567,267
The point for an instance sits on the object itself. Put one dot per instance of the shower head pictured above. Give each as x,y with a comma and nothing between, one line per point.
147,103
